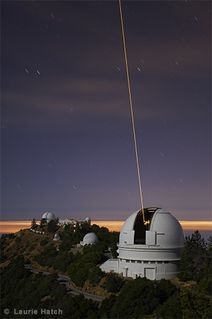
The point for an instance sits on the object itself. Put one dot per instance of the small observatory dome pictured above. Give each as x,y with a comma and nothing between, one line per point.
56,237
88,220
48,216
89,239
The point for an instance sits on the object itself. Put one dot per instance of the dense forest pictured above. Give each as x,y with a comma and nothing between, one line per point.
188,296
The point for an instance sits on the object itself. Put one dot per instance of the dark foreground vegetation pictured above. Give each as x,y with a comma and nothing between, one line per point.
188,296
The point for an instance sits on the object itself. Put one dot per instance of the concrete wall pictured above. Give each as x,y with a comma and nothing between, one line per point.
151,270
145,252
110,265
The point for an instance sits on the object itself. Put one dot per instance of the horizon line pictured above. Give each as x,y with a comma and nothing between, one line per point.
13,226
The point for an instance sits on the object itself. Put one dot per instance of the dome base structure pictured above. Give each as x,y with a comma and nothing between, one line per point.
150,250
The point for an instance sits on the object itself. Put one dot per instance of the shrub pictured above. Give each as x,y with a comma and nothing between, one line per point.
113,283
95,275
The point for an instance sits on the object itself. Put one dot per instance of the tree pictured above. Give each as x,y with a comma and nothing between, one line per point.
106,307
113,250
43,223
171,308
95,275
52,226
194,304
206,278
194,259
113,283
165,289
78,272
33,223
136,299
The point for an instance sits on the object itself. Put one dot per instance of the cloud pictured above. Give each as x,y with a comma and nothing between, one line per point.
79,75
62,101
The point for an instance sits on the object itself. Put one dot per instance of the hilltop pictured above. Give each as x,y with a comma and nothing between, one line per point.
188,296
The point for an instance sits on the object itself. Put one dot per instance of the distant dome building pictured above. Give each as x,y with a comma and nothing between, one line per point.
48,216
88,220
150,250
56,237
74,222
89,239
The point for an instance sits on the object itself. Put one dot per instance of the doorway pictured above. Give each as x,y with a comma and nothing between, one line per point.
150,273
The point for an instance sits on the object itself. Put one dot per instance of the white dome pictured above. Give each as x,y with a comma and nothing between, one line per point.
166,227
48,216
129,222
56,236
165,223
90,239
150,249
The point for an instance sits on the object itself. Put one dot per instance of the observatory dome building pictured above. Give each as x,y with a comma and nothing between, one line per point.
48,216
56,237
88,220
89,239
150,249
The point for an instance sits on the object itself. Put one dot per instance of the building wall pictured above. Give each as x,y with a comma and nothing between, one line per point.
151,270
151,253
155,269
110,265
131,268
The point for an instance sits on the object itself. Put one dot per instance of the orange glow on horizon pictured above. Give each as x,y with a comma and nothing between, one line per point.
113,225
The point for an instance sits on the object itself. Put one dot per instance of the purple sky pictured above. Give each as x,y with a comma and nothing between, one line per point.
66,132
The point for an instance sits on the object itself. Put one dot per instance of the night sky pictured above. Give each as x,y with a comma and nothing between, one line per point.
66,131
